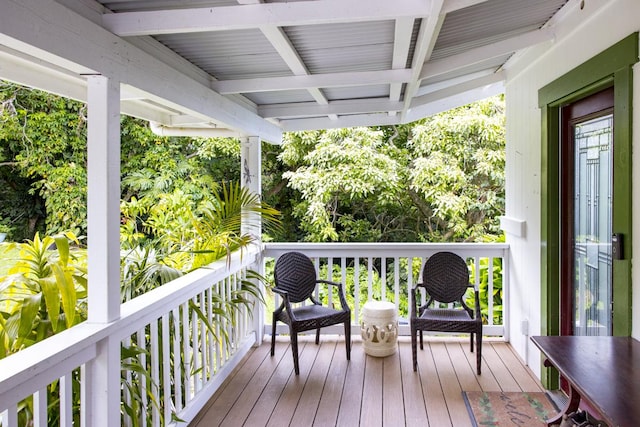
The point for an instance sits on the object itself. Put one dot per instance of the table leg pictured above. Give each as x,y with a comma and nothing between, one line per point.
572,403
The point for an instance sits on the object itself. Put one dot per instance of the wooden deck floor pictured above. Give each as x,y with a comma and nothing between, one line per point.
367,391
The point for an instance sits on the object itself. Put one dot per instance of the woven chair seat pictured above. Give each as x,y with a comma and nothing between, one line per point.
296,281
445,279
446,314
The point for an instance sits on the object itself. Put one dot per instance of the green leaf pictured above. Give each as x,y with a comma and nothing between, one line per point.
63,248
52,299
28,315
67,290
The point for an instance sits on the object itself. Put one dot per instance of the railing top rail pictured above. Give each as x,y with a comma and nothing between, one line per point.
386,249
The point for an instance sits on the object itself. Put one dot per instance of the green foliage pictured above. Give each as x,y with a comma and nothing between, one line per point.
439,180
42,161
459,170
44,293
344,168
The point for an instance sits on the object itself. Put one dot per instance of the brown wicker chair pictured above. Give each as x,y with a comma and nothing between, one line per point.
445,279
295,281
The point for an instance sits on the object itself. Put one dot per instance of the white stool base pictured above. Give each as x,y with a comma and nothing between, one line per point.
379,328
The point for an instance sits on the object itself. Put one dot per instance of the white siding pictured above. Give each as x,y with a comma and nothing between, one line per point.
582,35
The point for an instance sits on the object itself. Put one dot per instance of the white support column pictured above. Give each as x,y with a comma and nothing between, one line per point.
251,158
251,163
101,392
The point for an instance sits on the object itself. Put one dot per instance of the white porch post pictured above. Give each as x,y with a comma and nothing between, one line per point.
101,377
251,164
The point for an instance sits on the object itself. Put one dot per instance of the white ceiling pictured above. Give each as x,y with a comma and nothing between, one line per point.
312,64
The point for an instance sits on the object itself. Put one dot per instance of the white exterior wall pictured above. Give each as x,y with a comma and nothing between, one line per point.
578,38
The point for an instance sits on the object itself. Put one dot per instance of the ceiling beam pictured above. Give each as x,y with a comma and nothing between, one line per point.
401,43
282,44
290,56
427,37
270,84
248,16
302,109
379,119
448,100
483,53
458,89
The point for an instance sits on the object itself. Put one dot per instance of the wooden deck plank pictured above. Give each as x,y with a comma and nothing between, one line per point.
329,406
227,396
522,374
310,399
414,401
465,372
252,392
392,402
450,385
437,412
487,380
331,391
371,412
501,371
351,402
263,408
286,406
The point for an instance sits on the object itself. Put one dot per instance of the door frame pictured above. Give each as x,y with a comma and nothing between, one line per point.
612,67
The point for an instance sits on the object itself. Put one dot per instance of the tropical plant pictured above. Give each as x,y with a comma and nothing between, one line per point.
44,293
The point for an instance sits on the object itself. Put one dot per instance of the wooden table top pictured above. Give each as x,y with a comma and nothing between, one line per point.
604,370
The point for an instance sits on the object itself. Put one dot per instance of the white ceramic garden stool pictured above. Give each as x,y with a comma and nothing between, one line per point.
379,328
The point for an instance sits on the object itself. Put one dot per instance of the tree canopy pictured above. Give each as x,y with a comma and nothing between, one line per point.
438,179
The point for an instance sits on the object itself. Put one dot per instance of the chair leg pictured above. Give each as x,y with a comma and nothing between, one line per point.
414,348
273,335
317,336
471,339
479,352
421,345
347,337
294,350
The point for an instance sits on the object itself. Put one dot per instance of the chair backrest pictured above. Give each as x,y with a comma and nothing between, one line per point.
294,272
445,275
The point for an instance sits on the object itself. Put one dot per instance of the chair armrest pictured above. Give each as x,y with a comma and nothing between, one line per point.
343,300
285,299
280,292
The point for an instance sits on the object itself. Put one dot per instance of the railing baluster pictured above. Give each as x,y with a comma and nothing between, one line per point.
40,408
370,278
155,371
186,353
66,400
166,369
177,365
142,344
10,416
396,282
356,286
194,348
490,291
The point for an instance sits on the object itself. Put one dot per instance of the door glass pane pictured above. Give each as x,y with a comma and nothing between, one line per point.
592,214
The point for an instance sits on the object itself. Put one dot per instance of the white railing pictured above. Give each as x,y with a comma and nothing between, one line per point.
186,350
380,271
180,348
